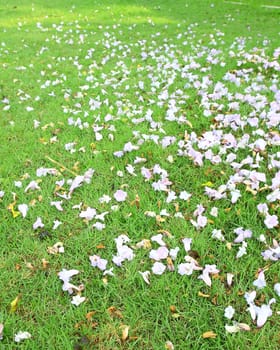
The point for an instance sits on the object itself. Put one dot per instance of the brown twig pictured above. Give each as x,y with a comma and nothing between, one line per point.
61,166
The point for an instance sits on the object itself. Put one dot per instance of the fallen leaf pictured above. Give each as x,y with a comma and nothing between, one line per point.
125,330
170,265
200,294
209,335
100,246
14,303
114,312
244,327
208,184
89,315
10,207
45,264
30,266
172,308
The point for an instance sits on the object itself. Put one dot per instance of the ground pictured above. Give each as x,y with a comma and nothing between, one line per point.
139,181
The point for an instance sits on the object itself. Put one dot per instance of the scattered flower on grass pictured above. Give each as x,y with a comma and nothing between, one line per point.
77,300
229,312
21,336
120,195
158,268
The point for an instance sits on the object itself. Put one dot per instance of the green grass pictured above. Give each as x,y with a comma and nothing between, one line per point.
69,53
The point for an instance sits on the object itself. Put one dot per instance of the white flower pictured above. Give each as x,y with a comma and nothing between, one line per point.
22,336
277,288
271,221
159,254
57,204
217,234
88,214
104,199
23,208
260,281
109,272
77,300
99,226
56,223
158,239
263,313
186,268
237,327
120,195
18,184
171,196
158,268
187,243
1,330
174,252
242,250
184,195
145,275
76,183
229,278
229,312
65,275
38,223
214,212
45,171
32,186
250,297
96,261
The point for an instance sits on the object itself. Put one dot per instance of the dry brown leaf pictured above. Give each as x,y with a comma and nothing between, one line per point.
172,308
33,202
200,294
89,315
114,312
165,233
100,246
125,330
214,300
18,267
170,265
30,266
244,327
45,264
177,207
159,219
209,335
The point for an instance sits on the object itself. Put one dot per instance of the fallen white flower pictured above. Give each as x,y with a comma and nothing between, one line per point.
23,208
77,300
145,275
229,312
22,336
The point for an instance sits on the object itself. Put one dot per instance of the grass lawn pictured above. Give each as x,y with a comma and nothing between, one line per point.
139,174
